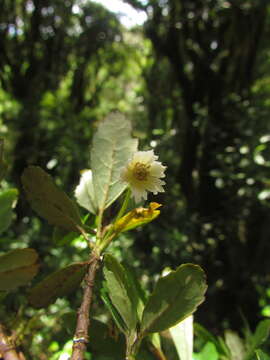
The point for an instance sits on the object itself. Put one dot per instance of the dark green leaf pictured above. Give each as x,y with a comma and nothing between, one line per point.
63,237
148,352
176,296
49,201
57,284
106,341
17,268
120,292
69,320
7,200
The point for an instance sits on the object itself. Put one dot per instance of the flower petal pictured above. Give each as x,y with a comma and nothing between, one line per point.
143,173
157,169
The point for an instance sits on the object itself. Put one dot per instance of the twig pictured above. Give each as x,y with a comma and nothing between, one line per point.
7,346
81,336
158,353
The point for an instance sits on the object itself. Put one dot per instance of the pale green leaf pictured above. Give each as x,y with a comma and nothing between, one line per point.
182,335
175,297
120,292
112,309
112,147
235,345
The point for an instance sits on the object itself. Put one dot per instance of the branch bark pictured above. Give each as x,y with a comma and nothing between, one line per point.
81,337
158,353
7,346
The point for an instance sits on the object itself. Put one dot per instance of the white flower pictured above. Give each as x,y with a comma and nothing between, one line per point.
143,173
84,192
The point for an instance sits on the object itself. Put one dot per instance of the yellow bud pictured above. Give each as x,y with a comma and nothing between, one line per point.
137,217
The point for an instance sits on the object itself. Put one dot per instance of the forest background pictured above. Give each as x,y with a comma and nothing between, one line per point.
195,81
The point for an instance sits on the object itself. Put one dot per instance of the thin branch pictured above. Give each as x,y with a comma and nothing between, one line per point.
81,337
7,346
159,355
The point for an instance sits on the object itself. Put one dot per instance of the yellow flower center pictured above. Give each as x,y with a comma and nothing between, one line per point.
140,171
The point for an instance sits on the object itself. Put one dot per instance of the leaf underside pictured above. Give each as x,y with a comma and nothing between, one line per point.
112,147
120,291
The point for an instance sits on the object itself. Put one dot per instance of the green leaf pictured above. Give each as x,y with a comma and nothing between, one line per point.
7,200
205,335
57,284
68,322
261,333
17,268
182,335
235,345
49,201
262,355
208,352
201,332
260,336
105,342
120,292
84,192
148,351
175,297
222,347
139,295
112,148
155,340
114,312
